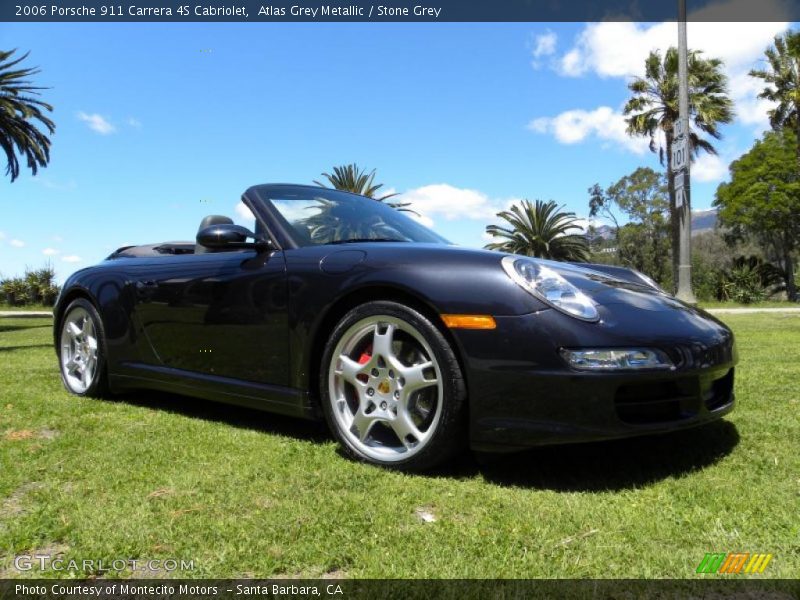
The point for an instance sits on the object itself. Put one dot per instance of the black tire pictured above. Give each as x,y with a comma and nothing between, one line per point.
446,433
97,387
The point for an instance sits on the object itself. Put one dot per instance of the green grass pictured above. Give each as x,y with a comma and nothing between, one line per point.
764,304
243,493
26,308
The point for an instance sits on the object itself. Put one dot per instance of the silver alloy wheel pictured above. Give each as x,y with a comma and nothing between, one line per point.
78,350
385,388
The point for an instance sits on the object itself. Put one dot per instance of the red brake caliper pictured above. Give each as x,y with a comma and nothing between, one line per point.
365,356
364,359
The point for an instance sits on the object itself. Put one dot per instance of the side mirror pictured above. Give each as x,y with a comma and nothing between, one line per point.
220,237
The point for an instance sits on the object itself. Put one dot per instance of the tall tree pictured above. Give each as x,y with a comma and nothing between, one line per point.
643,197
350,178
19,109
762,199
782,79
653,110
539,230
600,205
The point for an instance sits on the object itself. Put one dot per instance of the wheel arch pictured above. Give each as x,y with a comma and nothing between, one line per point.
363,295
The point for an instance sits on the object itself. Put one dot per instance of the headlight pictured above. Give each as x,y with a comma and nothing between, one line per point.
616,359
549,286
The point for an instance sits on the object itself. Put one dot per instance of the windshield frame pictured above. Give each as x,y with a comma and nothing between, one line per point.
260,199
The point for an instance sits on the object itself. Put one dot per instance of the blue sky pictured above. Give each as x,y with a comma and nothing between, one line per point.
160,124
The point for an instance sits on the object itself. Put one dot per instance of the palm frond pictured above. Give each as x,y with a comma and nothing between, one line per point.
19,109
539,229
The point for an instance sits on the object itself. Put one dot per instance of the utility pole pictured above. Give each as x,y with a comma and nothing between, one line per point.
680,166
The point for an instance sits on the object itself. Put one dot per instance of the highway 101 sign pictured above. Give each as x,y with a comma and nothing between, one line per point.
680,161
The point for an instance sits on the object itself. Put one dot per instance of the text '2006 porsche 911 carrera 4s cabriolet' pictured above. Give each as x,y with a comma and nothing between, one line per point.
332,305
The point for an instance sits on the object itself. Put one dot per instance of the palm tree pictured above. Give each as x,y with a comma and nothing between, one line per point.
350,178
653,110
539,230
18,108
782,79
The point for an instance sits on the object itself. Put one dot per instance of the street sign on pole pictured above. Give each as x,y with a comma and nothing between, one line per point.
680,193
680,153
680,162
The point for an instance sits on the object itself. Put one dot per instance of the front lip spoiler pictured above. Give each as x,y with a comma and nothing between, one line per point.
550,433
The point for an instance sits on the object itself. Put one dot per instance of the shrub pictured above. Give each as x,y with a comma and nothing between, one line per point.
36,287
15,291
749,280
40,283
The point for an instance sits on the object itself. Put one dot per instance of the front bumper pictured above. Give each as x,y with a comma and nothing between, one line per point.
522,394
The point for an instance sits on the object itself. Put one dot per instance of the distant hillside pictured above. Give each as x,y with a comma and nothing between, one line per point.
704,220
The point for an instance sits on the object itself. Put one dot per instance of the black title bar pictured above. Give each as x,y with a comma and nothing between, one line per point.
395,10
356,589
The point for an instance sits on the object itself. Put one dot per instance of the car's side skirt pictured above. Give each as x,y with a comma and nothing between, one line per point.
271,398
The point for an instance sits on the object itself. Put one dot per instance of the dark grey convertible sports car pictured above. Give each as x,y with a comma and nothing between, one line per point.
337,306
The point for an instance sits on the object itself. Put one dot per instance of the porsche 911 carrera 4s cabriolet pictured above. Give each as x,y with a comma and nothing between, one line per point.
326,304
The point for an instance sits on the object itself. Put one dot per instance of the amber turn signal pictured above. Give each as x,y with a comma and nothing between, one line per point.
469,321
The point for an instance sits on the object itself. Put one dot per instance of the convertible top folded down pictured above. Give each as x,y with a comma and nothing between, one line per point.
150,250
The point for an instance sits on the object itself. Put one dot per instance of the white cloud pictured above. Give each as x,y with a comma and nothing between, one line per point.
417,216
55,185
604,123
708,168
58,238
17,243
72,259
423,219
543,45
134,122
97,123
243,212
619,50
449,202
50,252
584,224
2,235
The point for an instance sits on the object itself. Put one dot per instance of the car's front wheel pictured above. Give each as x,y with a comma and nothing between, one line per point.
82,350
392,389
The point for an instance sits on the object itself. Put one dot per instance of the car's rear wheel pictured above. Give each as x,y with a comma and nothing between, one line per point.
392,389
81,345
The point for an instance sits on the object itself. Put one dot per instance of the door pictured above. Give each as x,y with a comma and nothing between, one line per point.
222,314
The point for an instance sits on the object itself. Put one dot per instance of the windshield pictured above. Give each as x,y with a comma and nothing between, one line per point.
318,216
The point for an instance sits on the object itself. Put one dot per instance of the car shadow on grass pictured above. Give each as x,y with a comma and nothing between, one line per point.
607,466
588,467
229,414
24,347
7,328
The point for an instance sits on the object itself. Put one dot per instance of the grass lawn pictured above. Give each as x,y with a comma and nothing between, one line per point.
26,308
241,493
764,304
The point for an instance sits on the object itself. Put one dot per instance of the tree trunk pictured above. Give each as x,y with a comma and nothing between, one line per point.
788,269
674,222
797,132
